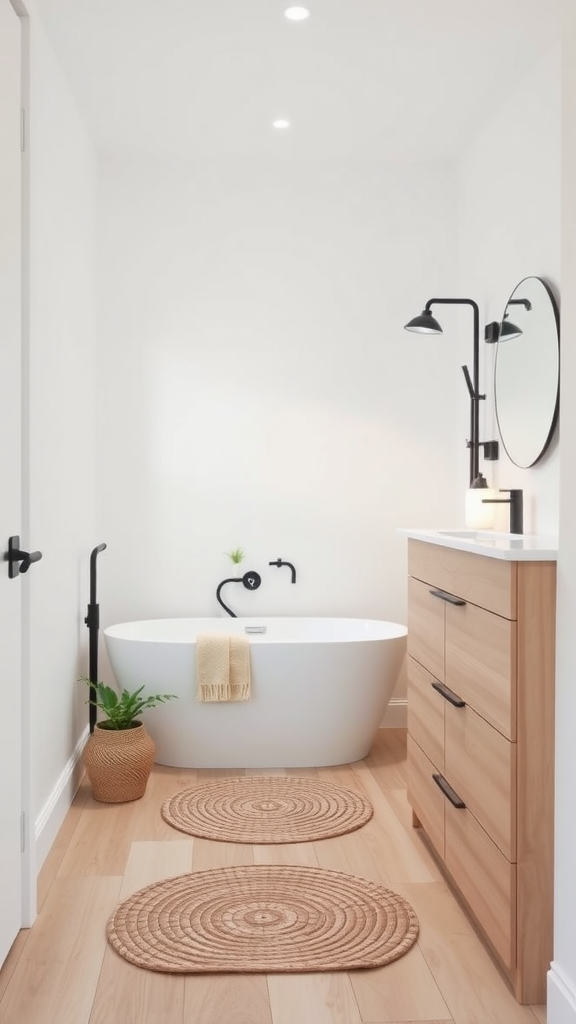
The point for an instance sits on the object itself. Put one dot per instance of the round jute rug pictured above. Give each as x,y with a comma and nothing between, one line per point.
263,918
267,809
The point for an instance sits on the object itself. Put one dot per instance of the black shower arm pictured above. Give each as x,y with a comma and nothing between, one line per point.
471,384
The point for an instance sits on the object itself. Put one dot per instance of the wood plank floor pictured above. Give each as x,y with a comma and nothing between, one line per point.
61,971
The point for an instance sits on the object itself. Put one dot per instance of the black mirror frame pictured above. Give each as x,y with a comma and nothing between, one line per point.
555,414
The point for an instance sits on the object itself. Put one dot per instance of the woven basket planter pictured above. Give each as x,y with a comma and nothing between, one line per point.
119,762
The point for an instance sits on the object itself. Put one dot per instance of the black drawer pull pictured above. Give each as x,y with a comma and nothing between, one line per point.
449,695
445,596
453,797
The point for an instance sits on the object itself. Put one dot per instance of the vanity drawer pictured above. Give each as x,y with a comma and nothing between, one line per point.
487,582
426,627
425,713
424,796
481,664
486,879
480,764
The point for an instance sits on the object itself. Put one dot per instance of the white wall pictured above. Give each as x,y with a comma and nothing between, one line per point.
509,228
562,978
257,389
60,429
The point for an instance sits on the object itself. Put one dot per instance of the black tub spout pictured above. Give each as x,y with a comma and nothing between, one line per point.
279,562
251,581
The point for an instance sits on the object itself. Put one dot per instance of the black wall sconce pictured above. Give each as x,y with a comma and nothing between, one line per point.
427,324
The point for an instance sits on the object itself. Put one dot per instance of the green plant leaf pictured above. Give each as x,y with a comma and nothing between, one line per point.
121,711
237,555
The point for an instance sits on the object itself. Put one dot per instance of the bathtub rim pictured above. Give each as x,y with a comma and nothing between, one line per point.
392,630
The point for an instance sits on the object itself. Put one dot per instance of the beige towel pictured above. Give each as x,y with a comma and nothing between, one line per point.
222,667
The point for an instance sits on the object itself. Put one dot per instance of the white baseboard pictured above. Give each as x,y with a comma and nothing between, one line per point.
56,807
561,1001
396,715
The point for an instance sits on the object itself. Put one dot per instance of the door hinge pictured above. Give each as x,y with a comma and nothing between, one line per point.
22,832
22,130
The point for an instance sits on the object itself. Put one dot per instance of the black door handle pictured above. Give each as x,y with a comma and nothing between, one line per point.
14,556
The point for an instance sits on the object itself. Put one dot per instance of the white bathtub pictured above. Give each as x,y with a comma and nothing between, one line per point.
319,689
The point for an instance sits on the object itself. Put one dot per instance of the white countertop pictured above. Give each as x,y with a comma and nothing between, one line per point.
511,546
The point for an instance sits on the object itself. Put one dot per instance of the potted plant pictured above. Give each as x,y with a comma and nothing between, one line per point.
120,752
236,556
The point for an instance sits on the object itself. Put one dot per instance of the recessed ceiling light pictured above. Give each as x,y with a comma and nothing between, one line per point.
296,13
280,123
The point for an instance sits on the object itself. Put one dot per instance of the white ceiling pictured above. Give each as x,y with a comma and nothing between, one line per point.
360,79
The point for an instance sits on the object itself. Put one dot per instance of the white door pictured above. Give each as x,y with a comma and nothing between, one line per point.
10,480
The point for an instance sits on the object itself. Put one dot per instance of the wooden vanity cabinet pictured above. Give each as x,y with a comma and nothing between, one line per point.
481,638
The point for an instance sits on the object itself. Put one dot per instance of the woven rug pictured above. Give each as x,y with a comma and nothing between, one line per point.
262,918
267,809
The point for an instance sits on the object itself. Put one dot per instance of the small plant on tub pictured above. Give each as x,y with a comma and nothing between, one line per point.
236,556
122,711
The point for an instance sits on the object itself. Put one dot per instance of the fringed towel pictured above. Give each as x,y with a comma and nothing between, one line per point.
222,667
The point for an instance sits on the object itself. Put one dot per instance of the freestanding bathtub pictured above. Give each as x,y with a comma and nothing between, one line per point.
320,687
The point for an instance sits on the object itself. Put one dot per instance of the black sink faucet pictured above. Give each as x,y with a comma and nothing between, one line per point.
279,562
516,502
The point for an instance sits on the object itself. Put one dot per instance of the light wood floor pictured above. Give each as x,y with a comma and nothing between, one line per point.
62,972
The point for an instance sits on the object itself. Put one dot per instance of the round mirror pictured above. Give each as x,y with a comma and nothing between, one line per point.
527,372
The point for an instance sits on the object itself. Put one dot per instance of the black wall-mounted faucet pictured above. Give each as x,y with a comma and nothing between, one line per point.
251,581
516,502
279,562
